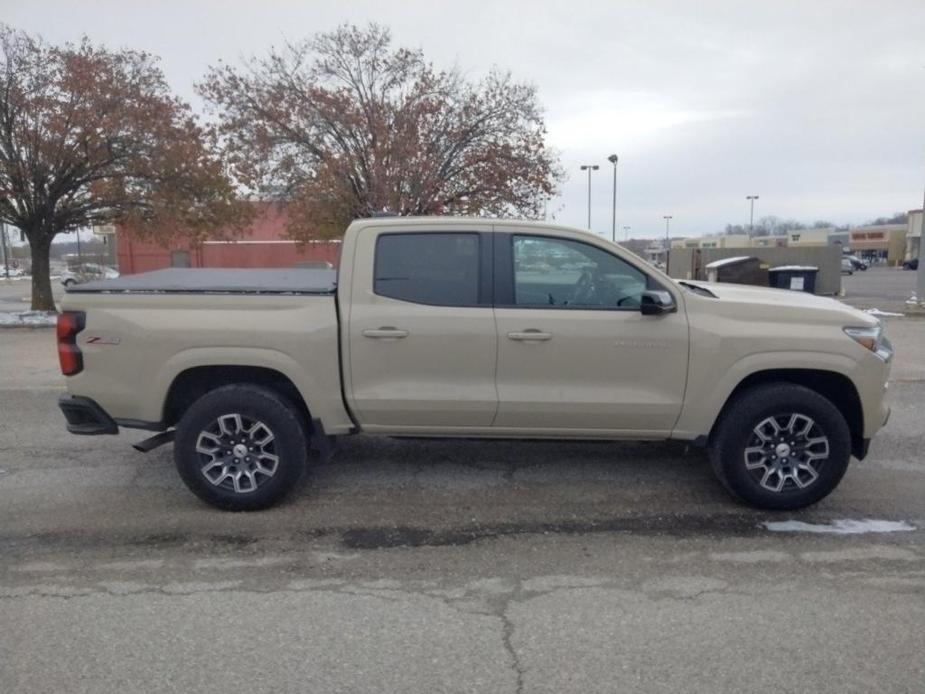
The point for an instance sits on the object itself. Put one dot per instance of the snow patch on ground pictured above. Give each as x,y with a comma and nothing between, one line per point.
28,319
878,312
840,527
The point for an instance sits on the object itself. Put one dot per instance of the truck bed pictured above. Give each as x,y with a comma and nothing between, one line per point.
216,281
137,342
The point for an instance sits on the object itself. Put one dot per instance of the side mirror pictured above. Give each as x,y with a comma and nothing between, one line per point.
655,302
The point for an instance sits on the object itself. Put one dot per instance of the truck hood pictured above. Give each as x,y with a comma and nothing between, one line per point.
762,302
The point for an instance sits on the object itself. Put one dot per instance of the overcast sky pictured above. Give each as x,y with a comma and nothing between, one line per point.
817,107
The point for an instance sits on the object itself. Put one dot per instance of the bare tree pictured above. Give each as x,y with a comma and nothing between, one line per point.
895,218
344,125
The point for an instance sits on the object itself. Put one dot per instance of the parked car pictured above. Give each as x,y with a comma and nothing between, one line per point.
912,264
847,267
857,263
87,272
429,329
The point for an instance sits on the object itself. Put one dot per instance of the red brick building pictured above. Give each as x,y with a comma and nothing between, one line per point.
262,245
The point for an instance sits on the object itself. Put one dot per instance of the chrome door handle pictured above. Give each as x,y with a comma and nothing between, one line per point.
530,335
386,333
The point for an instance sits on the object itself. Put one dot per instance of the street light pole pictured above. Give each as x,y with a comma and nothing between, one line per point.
589,168
613,158
751,215
920,273
668,219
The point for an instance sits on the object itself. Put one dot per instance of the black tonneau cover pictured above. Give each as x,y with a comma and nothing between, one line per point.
216,281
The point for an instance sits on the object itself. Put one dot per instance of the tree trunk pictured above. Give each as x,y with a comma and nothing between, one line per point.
42,299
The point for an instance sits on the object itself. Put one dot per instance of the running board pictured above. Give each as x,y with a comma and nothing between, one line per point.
155,441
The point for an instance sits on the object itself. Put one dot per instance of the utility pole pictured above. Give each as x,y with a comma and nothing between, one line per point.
613,158
6,257
589,168
668,219
751,215
920,273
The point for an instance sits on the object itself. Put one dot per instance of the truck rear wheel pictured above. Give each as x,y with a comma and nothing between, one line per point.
781,446
240,447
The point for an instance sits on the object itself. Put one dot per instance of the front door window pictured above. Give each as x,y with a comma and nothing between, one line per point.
561,273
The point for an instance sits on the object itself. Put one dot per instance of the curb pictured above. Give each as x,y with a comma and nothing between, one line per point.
28,319
26,326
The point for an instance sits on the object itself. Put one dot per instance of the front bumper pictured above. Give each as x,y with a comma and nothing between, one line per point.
84,416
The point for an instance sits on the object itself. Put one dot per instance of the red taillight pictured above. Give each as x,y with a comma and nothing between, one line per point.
69,324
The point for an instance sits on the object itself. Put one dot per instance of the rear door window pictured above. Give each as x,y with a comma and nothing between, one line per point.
440,269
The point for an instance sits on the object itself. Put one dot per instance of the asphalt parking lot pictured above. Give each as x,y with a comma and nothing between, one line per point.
453,566
879,287
16,294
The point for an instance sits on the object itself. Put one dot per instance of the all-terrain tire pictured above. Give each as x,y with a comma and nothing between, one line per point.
241,447
780,446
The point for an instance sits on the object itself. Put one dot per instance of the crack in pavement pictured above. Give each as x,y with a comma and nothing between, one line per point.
507,635
114,590
494,598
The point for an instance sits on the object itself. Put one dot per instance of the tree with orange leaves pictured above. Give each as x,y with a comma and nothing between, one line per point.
90,136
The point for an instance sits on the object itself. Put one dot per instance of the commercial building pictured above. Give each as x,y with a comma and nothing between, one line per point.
719,241
655,253
810,237
727,241
686,243
884,242
913,235
769,242
263,244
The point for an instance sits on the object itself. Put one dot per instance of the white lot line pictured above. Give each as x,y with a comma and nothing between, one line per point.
840,527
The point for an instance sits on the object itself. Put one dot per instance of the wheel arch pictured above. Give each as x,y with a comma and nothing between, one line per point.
835,387
262,366
194,382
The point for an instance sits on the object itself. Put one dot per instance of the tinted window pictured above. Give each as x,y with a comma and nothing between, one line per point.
570,274
439,269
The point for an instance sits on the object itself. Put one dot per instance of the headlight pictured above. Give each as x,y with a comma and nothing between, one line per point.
866,337
872,338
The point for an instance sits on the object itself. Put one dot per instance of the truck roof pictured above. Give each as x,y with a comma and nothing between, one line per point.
217,281
460,222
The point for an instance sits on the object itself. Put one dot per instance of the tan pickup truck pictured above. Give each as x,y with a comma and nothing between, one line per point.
452,327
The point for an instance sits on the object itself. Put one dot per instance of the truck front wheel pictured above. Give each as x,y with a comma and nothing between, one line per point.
240,447
781,446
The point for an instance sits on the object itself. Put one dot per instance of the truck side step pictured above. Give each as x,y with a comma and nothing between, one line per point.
155,441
